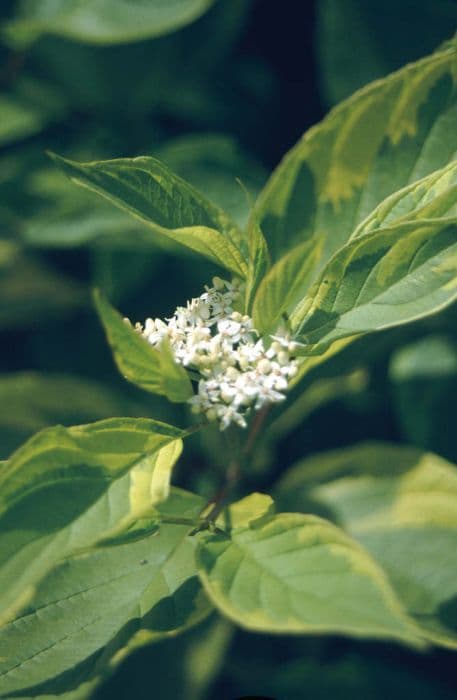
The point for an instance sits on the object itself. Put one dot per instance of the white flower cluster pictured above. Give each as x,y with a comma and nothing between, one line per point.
237,372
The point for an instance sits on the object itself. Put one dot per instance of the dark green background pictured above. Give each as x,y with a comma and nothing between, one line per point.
244,82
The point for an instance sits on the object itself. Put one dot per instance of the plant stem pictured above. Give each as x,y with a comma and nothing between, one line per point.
233,473
256,426
232,477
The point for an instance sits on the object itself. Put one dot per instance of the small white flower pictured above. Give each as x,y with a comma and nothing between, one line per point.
238,374
264,366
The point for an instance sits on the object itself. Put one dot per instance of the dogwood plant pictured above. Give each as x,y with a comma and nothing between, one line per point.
355,232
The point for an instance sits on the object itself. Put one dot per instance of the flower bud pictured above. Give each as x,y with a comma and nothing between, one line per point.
264,366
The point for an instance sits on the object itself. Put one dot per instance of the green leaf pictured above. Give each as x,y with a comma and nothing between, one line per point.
31,401
18,120
283,287
215,164
183,667
388,135
103,450
246,511
99,478
74,217
294,573
27,110
31,291
146,188
85,224
206,657
104,601
424,379
152,369
81,692
259,261
102,21
391,276
432,197
401,505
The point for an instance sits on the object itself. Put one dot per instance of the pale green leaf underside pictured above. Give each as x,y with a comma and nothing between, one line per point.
147,189
103,21
390,276
388,135
99,479
152,369
401,504
132,593
295,573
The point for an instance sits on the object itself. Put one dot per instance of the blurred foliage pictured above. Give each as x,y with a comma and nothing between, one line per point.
218,91
358,42
424,378
101,21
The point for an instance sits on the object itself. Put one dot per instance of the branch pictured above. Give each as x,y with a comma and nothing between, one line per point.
233,473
